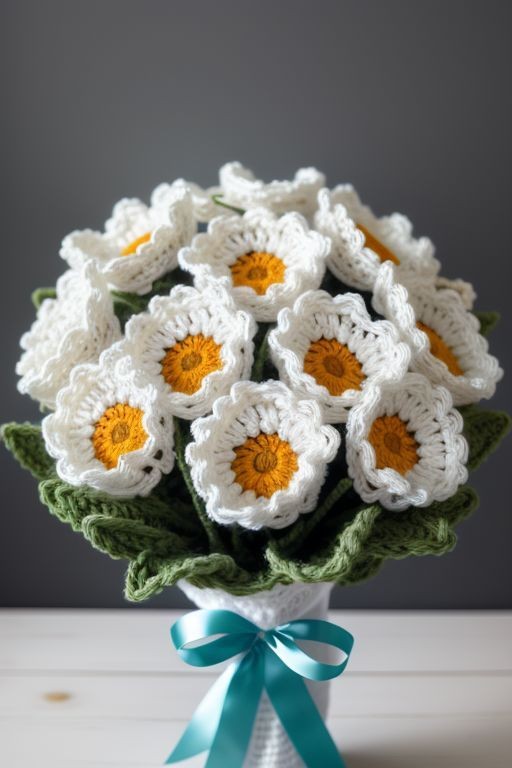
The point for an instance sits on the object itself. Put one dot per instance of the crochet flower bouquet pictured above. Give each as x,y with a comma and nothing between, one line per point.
260,410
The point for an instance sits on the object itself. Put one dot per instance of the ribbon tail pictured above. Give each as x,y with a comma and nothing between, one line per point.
299,715
200,733
241,701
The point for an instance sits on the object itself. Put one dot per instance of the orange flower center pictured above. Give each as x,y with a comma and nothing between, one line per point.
118,431
257,270
264,464
186,364
333,366
394,445
131,248
441,350
377,247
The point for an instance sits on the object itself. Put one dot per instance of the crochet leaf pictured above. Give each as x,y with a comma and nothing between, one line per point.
123,528
354,551
40,294
484,430
25,442
488,321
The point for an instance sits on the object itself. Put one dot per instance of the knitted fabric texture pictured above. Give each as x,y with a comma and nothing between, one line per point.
270,746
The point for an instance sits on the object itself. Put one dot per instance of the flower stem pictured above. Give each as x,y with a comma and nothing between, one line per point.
216,199
211,529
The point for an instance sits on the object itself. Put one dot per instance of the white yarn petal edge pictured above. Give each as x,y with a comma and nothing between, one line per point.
247,411
317,314
437,428
73,328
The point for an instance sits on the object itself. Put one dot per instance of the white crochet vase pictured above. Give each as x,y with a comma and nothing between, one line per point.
270,746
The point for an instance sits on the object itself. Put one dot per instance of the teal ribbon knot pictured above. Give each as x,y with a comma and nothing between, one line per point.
264,660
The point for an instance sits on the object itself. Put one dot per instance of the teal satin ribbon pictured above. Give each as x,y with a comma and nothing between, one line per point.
268,661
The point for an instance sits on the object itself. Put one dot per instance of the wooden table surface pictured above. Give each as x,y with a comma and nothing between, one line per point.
105,688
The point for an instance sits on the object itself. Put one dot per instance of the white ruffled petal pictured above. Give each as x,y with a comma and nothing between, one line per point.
465,290
241,188
435,426
317,317
71,329
342,217
443,312
252,410
152,234
213,254
69,433
189,314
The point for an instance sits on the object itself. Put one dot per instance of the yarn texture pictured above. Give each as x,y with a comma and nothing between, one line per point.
165,539
256,386
291,259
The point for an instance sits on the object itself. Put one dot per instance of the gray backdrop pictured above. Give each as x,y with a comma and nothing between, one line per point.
410,101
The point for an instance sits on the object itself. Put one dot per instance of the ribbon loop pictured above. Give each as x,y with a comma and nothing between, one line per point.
267,660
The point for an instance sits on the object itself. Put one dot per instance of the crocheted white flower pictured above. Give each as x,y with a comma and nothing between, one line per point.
73,328
203,205
260,459
404,444
196,343
266,261
443,335
328,349
465,290
139,244
111,429
361,241
240,187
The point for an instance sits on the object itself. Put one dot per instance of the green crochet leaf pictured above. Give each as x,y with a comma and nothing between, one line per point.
25,442
355,550
123,528
488,321
484,430
40,294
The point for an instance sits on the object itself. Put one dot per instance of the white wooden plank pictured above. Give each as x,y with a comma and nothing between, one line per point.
364,742
28,698
134,641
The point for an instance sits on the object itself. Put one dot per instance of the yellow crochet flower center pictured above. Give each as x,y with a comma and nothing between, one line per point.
441,350
131,248
264,464
333,366
186,364
257,270
117,432
395,446
379,248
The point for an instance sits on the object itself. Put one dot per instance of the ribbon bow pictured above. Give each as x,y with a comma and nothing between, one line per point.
268,661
